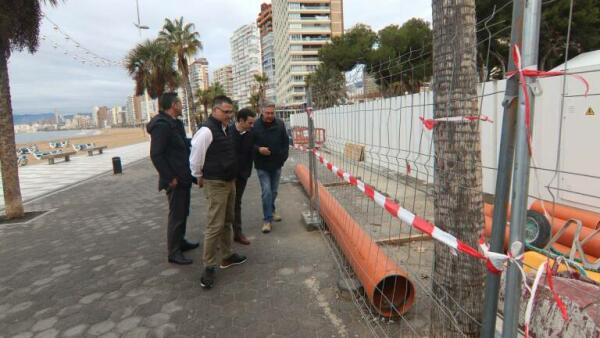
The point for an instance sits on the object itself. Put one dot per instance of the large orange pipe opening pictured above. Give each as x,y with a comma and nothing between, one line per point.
387,286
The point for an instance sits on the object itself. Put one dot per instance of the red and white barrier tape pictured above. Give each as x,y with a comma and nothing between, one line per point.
429,124
495,262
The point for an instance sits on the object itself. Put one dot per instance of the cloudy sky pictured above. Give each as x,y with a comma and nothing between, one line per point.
52,80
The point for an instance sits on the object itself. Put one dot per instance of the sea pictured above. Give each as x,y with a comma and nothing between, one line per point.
57,135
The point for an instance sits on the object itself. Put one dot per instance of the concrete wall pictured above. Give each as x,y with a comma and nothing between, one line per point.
568,140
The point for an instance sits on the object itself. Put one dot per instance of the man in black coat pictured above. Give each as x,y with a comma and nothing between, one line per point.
169,152
272,148
244,148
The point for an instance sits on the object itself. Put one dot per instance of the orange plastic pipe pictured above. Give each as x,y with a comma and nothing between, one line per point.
566,250
592,247
589,219
387,286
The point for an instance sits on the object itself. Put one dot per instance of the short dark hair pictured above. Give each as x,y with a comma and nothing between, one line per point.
244,114
220,99
166,100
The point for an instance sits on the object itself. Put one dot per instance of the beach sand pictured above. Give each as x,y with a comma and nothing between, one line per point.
113,138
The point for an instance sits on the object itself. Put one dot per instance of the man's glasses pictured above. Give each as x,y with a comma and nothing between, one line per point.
225,111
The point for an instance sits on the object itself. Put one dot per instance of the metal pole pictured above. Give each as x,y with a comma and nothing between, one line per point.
314,183
504,176
529,51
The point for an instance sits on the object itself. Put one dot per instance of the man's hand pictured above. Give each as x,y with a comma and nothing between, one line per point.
173,183
264,151
200,182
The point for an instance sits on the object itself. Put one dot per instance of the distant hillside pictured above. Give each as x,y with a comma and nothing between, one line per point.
32,118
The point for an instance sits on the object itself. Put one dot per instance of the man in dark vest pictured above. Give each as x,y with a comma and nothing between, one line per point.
244,147
169,152
272,147
213,162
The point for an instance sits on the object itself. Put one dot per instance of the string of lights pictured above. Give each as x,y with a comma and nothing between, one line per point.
76,50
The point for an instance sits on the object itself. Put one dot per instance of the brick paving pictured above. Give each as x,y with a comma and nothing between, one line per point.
95,266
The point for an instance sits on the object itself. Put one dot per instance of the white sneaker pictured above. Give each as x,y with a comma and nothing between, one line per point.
266,228
276,217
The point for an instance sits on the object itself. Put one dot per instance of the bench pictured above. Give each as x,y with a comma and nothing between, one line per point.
91,150
52,157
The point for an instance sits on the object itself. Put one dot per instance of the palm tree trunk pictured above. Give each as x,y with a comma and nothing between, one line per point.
10,172
457,280
191,104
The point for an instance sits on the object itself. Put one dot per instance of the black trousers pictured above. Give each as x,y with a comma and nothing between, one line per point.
179,209
240,186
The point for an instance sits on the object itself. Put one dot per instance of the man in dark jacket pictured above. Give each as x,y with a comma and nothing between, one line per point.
244,148
213,161
169,151
272,148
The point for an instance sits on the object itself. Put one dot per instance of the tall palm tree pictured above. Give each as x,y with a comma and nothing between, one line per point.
19,29
152,66
458,200
185,43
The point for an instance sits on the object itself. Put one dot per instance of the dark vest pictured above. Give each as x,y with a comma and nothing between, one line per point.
220,162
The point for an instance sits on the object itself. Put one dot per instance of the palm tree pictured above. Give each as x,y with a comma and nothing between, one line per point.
255,100
206,97
261,80
152,66
19,29
458,200
185,43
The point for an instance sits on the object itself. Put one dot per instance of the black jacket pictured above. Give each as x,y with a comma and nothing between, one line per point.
220,162
170,150
244,149
276,139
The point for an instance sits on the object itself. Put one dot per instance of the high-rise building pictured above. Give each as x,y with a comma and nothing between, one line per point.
245,53
199,74
301,28
103,117
265,26
224,76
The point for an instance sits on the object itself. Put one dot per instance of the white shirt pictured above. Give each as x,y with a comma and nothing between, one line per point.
200,143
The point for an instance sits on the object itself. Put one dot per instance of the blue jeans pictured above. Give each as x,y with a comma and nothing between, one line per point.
269,183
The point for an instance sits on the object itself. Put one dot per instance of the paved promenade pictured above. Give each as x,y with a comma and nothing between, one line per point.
95,266
40,179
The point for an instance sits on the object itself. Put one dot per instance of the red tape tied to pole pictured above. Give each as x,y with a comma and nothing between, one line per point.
429,124
535,73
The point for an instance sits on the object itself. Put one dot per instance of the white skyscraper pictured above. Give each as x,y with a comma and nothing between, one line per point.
245,54
224,76
301,28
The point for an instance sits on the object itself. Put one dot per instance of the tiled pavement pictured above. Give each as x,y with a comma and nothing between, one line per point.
96,266
41,179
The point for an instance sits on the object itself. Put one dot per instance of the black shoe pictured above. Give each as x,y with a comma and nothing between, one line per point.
232,260
208,277
179,258
187,246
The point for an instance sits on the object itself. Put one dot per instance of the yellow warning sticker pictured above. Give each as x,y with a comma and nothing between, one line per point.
590,112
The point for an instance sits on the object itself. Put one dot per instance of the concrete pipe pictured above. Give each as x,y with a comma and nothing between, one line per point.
387,286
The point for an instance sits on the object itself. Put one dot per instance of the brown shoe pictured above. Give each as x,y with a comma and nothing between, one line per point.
266,228
241,239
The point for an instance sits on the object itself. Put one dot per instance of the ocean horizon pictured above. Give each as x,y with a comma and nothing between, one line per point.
55,135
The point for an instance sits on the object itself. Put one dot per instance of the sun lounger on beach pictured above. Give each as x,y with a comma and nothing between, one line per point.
83,146
58,144
22,160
